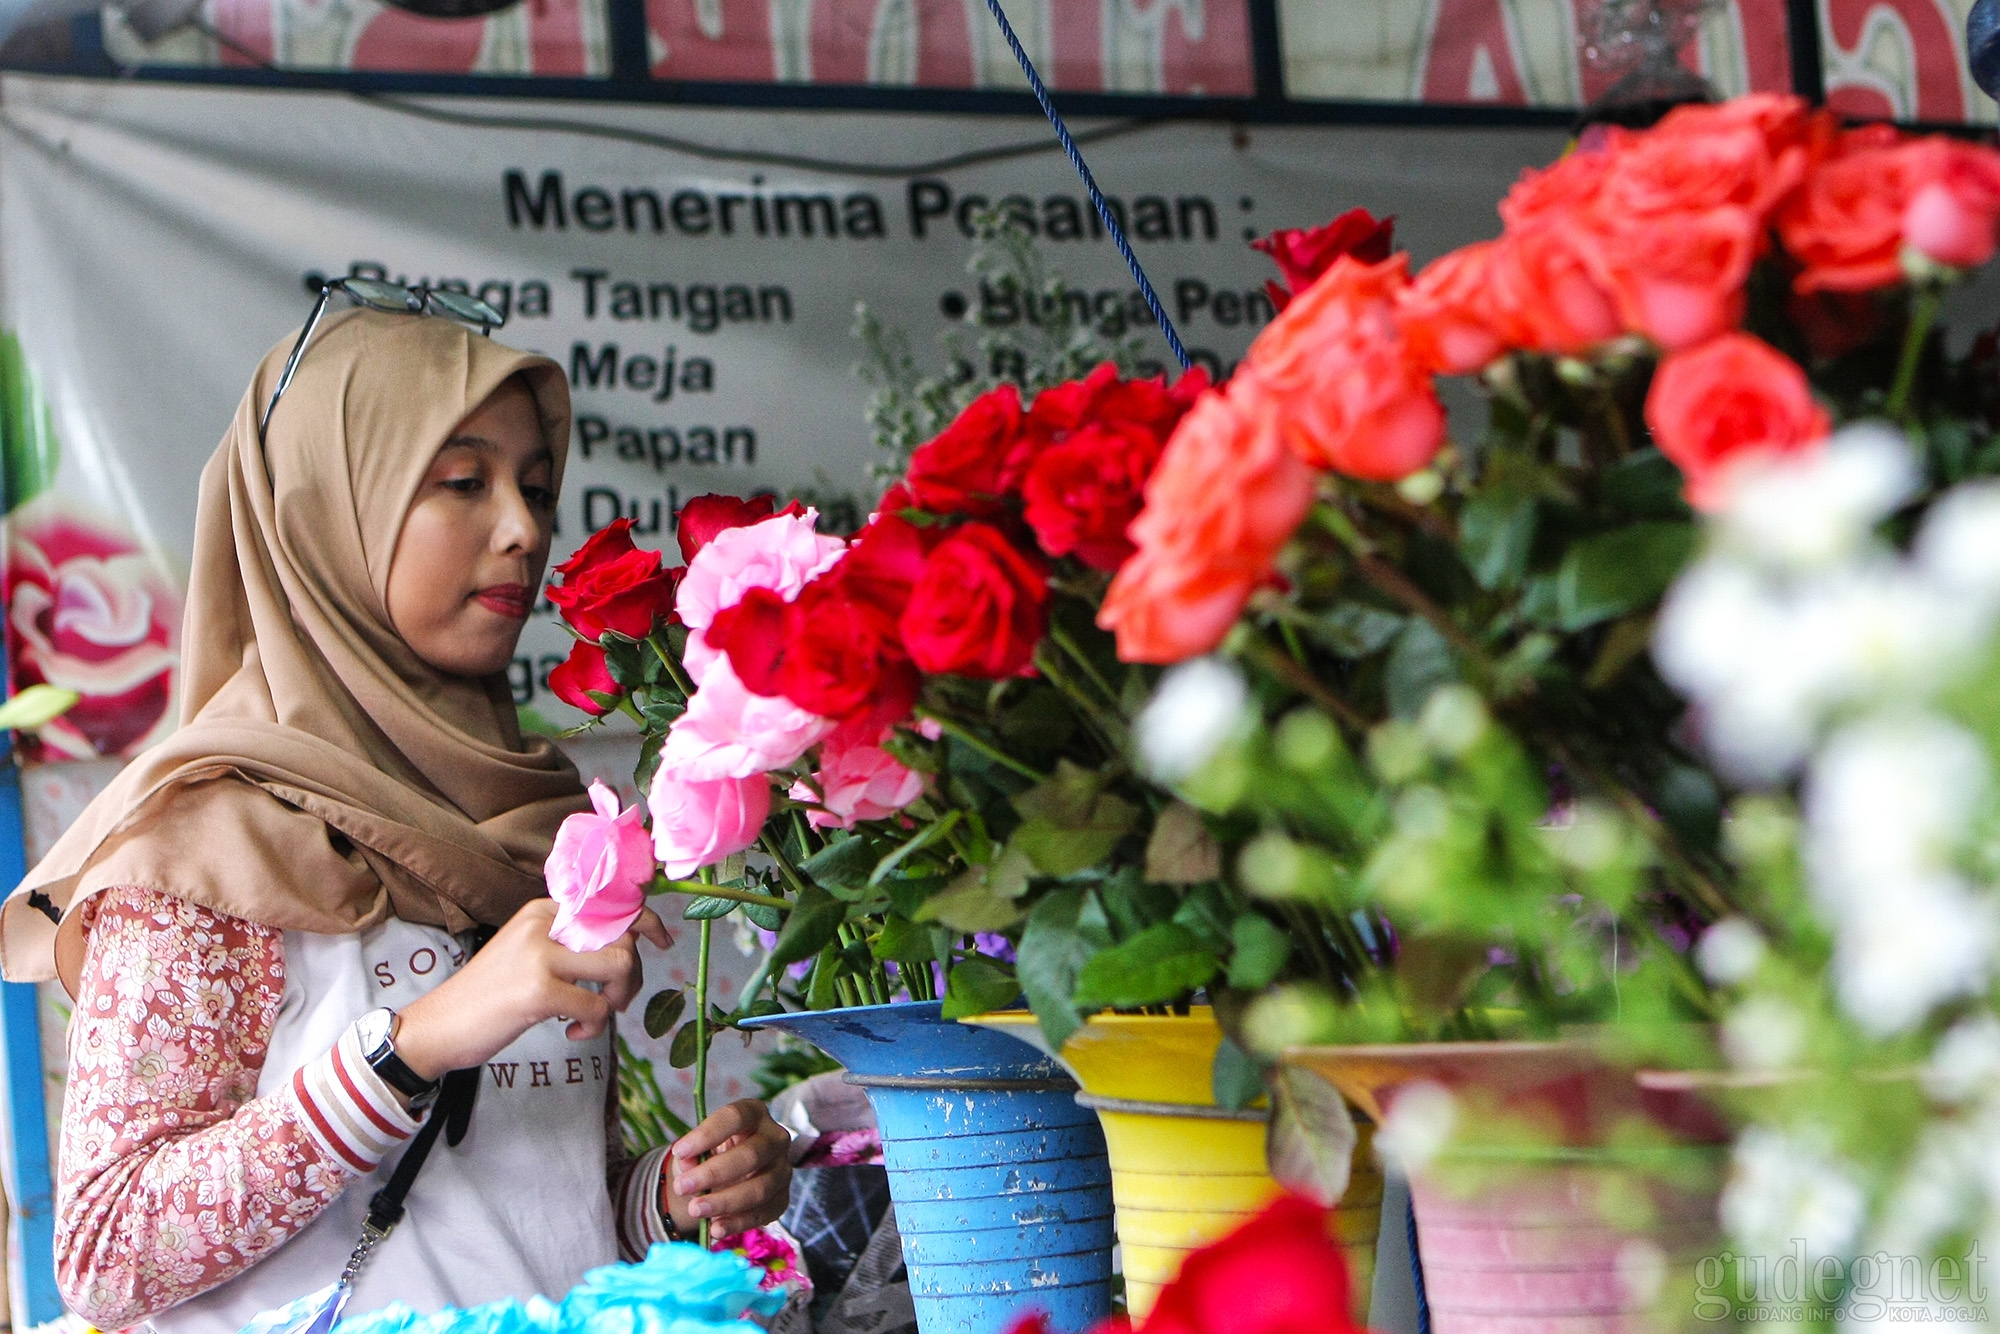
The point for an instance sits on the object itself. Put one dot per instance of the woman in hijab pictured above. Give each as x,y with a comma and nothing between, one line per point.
267,921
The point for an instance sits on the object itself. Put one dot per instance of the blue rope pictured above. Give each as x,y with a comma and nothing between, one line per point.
1417,1271
1090,184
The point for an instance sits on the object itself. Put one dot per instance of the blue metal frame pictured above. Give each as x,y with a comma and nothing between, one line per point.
27,1109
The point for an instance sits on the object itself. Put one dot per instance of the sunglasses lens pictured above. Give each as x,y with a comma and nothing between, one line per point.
382,296
469,309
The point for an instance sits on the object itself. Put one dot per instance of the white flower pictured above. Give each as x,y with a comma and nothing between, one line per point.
1959,546
1417,1127
1966,1061
1786,1188
1199,706
1730,951
1763,1033
1888,801
1924,940
1811,509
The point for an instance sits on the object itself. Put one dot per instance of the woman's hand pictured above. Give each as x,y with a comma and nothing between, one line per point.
745,1184
518,980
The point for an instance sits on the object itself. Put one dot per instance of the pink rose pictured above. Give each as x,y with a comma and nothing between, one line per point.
597,873
858,783
89,611
1953,215
781,554
697,824
727,732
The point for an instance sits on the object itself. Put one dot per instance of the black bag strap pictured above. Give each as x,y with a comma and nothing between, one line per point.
451,1116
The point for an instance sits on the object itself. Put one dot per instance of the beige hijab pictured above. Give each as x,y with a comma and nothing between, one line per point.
323,777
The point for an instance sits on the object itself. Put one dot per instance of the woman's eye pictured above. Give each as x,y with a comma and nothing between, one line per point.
541,497
464,486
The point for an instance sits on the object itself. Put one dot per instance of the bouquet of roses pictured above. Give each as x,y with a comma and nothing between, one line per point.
1431,696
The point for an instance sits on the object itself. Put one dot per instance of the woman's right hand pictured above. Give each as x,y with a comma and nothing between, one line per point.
519,979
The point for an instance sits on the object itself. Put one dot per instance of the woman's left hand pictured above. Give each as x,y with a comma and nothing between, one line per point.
746,1182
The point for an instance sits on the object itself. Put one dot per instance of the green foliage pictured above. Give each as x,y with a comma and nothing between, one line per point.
29,454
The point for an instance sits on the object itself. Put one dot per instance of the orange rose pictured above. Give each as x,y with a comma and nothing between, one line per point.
1844,226
1733,396
1678,281
1544,295
1569,185
1226,497
1690,164
1954,202
1341,381
1446,319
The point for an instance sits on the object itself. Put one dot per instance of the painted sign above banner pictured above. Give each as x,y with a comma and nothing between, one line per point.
155,241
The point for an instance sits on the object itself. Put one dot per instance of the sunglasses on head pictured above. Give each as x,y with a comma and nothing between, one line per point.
390,298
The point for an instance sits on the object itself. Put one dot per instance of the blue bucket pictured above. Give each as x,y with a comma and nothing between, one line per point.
1001,1185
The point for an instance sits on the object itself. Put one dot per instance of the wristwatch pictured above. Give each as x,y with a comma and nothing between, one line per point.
376,1031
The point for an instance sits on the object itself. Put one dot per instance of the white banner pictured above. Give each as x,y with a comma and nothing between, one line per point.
154,241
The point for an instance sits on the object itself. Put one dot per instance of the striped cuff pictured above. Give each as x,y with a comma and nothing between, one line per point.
348,1109
641,1219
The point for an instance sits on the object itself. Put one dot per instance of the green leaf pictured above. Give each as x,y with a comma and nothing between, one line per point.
1420,663
1069,822
625,659
982,898
930,834
1617,572
36,706
1355,629
908,893
1258,951
1309,1140
842,864
1497,533
29,454
764,915
663,1011
1645,485
1234,1079
812,922
1181,851
649,760
977,986
1058,940
1157,965
686,1046
708,907
821,994
903,941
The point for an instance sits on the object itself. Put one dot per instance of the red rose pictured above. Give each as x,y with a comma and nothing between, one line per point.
964,469
1731,397
609,584
1690,164
581,673
978,609
845,658
1061,410
705,516
752,634
1303,254
1446,319
883,562
1280,1273
1082,493
1544,296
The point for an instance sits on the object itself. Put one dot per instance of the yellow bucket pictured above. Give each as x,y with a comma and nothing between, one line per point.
1181,1179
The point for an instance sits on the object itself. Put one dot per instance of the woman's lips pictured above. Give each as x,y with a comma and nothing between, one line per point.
509,600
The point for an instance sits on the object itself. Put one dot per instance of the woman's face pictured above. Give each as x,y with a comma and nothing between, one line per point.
468,563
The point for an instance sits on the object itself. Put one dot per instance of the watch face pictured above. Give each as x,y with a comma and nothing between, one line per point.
373,1031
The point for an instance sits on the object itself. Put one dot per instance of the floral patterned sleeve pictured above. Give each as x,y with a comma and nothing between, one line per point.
173,1176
